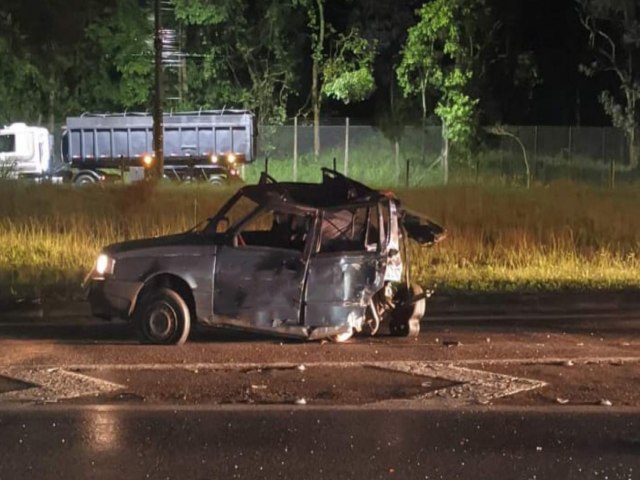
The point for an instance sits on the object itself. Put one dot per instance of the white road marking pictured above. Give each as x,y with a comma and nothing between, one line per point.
276,365
53,384
471,386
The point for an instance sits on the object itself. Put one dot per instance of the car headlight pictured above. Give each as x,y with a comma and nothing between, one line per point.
104,264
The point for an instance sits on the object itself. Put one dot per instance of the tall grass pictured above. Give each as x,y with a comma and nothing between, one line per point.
563,236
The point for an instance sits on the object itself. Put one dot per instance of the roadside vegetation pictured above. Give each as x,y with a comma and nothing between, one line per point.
564,236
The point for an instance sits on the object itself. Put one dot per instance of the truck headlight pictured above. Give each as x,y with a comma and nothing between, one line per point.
104,265
231,158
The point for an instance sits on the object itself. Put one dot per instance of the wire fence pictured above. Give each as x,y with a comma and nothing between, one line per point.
412,156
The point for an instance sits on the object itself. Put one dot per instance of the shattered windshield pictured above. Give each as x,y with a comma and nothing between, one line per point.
226,220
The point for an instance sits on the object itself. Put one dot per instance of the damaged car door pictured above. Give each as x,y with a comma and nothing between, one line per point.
346,268
260,270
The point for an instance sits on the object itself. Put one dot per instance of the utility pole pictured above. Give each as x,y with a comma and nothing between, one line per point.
158,127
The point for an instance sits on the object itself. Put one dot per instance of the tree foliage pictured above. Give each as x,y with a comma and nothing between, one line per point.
121,71
614,39
348,72
239,54
436,61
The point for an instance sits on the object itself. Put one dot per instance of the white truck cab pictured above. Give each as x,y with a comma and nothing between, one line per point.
24,151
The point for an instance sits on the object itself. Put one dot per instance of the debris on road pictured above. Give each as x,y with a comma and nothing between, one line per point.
300,401
605,403
562,401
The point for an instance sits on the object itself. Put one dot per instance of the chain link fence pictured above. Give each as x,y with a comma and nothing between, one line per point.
406,156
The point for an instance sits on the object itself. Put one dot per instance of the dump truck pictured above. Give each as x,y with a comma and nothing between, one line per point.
210,145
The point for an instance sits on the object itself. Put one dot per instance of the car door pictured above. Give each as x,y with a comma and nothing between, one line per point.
260,271
347,268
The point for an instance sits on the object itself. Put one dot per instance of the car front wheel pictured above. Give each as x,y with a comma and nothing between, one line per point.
163,318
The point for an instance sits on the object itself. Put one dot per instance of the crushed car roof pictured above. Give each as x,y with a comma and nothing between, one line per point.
337,190
334,190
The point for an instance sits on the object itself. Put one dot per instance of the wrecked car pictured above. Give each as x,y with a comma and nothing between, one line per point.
302,260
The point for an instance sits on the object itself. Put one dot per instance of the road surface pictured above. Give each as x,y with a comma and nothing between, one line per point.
520,395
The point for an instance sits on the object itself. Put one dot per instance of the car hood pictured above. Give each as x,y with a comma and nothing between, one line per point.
180,239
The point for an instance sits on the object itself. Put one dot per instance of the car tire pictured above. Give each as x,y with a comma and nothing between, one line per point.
405,318
163,318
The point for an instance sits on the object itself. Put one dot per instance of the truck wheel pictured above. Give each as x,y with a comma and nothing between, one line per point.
84,179
163,318
216,181
405,318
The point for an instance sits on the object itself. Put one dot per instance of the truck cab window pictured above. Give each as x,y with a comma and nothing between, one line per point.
7,143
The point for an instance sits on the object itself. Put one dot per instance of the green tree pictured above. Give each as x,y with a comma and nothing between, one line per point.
240,53
348,73
614,39
207,27
19,76
41,41
341,63
119,59
436,60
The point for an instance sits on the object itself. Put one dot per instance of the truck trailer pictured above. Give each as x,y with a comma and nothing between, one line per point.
205,145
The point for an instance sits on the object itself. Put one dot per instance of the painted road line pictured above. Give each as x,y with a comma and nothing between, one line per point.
53,384
349,364
471,386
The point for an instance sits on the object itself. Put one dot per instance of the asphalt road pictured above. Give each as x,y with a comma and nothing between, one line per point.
520,395
98,442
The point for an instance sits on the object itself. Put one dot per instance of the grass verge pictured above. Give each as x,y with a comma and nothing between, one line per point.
499,239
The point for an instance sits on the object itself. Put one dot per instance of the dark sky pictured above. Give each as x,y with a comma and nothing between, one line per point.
550,28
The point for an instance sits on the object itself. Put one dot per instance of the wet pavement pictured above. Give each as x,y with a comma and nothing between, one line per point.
549,394
178,443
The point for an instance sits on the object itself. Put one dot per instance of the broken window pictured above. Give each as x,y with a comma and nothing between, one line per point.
269,228
350,230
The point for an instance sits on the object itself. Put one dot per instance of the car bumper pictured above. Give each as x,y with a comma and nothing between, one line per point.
112,298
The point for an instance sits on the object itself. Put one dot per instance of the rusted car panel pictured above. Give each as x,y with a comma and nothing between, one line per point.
303,260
